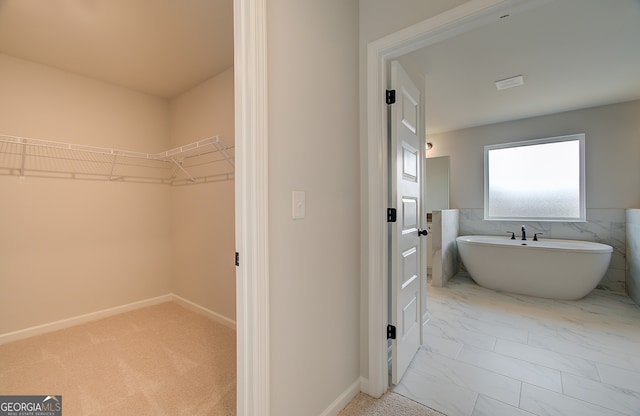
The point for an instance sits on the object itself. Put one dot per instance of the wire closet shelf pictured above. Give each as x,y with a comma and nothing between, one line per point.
207,160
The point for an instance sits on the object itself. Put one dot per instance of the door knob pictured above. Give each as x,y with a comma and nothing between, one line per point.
422,232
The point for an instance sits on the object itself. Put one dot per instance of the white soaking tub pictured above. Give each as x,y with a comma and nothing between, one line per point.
549,268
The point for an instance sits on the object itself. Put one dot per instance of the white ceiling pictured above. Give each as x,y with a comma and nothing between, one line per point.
572,53
160,47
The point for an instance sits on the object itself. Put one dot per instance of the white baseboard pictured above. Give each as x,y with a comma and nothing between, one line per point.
343,400
364,385
77,320
105,313
204,311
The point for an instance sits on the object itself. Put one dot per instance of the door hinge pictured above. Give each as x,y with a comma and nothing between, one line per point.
237,259
391,215
391,97
391,332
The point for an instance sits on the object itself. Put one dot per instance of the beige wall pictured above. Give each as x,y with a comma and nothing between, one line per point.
203,215
313,147
612,149
204,111
41,102
70,247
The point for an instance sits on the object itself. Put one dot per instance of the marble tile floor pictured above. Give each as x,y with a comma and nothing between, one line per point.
488,353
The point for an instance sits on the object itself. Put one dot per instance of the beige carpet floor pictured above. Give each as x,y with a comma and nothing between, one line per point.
389,404
160,360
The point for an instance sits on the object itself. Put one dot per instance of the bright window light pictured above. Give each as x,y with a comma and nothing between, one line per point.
536,180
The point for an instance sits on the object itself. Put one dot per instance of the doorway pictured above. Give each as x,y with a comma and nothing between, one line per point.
454,22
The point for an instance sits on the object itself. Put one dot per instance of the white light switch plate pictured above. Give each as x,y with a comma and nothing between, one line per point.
298,205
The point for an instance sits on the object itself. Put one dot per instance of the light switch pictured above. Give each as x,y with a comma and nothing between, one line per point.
298,205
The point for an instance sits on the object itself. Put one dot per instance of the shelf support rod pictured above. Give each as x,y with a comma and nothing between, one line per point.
223,152
183,169
24,156
113,165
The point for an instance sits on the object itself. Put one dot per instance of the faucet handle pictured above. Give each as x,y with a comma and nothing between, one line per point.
535,236
513,235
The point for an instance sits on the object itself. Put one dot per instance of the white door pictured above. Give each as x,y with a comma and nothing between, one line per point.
405,252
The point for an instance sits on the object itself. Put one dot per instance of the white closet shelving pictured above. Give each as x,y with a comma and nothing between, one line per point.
206,160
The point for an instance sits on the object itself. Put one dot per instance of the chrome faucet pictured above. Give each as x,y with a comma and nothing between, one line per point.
524,234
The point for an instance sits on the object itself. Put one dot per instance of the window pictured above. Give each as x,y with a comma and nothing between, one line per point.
536,180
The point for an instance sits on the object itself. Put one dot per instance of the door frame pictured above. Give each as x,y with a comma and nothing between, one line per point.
251,207
458,20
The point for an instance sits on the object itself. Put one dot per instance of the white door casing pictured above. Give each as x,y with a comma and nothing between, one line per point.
405,167
251,207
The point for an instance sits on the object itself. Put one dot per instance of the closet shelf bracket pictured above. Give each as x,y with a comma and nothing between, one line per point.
179,165
223,152
24,156
113,165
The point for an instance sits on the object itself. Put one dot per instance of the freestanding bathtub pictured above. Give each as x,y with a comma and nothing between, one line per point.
549,268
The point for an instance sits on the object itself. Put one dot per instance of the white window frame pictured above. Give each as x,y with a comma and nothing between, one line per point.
533,164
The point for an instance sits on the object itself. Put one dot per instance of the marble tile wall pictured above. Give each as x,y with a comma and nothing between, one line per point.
445,252
605,226
633,254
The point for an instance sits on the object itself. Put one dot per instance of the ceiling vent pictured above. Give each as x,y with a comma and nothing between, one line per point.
510,82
